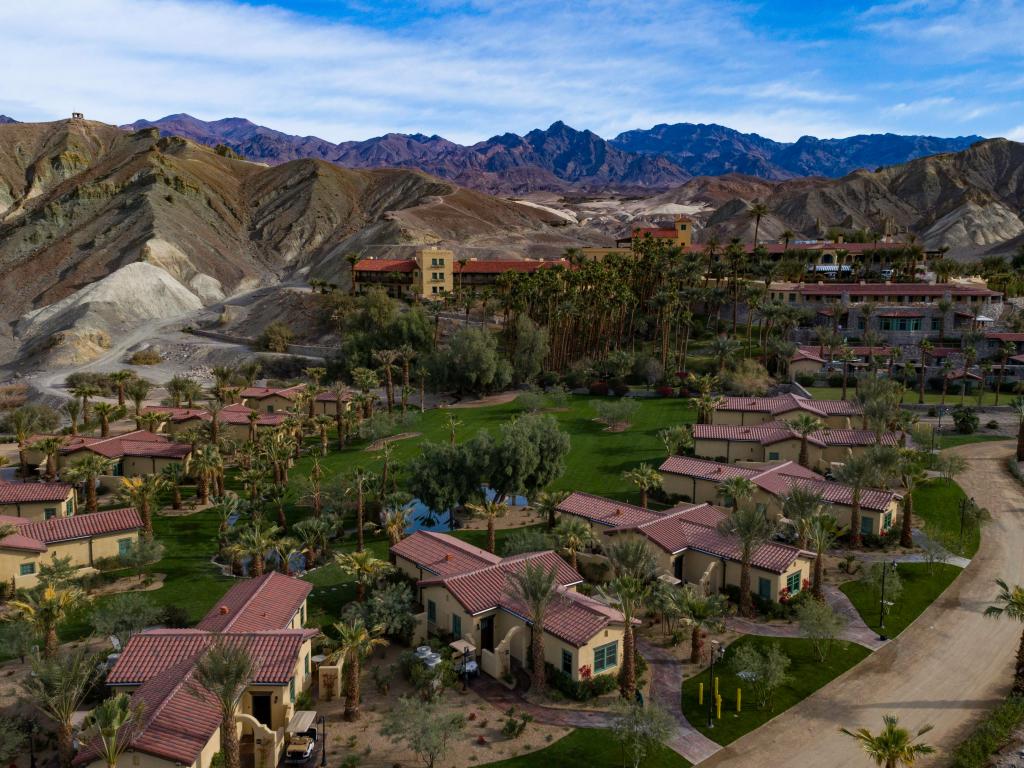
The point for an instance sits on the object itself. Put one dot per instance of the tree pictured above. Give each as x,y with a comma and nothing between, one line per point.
355,642
73,409
766,671
573,536
736,490
84,391
805,425
205,466
365,567
646,478
386,360
799,505
893,747
138,390
859,472
489,510
173,475
45,610
627,593
390,609
1010,603
632,557
676,439
142,492
87,471
528,350
22,422
702,612
57,688
360,480
124,615
255,541
107,412
820,624
49,447
523,540
224,671
111,724
141,553
546,504
640,729
822,532
757,212
910,468
275,338
425,729
529,454
58,573
753,529
536,588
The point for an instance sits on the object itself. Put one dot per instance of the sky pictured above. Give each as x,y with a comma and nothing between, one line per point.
468,70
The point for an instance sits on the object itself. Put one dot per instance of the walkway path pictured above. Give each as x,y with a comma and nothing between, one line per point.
948,668
856,631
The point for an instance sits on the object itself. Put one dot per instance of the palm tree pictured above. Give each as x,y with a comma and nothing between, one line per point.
736,490
646,478
1010,603
73,409
893,747
1006,351
111,723
120,379
323,424
805,425
822,532
173,475
22,422
547,502
453,424
573,536
142,493
366,567
50,447
490,511
926,348
627,594
205,465
355,642
859,472
1018,409
799,505
254,541
757,211
138,390
753,529
912,474
535,587
632,557
396,522
703,613
84,392
87,470
45,610
225,671
387,358
359,481
58,687
106,412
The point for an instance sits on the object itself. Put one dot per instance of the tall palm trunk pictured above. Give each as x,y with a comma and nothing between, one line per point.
229,740
65,744
1018,672
627,679
90,494
359,520
906,539
746,604
51,643
352,690
490,535
537,651
819,572
696,644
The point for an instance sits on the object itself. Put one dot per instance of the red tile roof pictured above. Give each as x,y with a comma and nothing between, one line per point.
152,652
1005,336
137,443
239,414
572,617
786,403
23,493
256,605
777,431
178,414
497,266
891,289
806,353
35,536
385,265
605,511
442,555
258,393
331,396
658,232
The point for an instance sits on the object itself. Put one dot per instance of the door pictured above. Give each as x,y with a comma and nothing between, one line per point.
678,566
487,633
261,708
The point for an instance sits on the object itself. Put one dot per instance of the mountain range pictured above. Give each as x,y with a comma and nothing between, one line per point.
563,159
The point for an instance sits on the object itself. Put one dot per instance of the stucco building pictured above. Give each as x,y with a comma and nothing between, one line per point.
37,501
747,411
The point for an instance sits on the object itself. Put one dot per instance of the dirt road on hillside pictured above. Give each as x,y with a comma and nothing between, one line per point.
948,668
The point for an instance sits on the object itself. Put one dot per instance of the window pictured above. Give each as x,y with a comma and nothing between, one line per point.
291,689
792,298
49,512
764,588
270,409
773,455
456,626
606,657
936,323
431,611
124,546
567,662
306,664
26,569
793,583
69,508
866,525
887,521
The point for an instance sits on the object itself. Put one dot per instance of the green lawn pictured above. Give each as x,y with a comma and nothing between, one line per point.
921,586
588,748
952,441
930,398
807,674
937,502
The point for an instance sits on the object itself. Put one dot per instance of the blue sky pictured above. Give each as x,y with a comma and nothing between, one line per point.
352,69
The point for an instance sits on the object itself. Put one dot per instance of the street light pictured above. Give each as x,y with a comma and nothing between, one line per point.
717,651
323,741
886,567
30,727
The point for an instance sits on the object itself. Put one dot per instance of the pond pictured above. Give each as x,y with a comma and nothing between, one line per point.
423,518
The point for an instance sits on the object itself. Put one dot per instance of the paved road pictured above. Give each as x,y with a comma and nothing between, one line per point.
948,668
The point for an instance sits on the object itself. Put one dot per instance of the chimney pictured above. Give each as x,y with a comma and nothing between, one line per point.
223,610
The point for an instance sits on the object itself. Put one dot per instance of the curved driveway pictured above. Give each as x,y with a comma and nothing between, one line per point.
948,668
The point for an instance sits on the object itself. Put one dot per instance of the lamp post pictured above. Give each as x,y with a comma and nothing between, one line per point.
886,567
323,741
716,654
30,726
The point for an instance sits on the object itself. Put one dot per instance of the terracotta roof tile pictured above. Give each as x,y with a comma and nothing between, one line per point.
258,393
442,555
605,511
788,403
256,605
137,443
35,536
21,493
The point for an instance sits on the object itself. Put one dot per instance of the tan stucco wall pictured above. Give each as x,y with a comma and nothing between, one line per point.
137,465
802,367
262,404
36,510
81,553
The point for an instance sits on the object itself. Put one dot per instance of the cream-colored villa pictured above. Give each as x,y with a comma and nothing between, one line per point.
699,480
83,538
688,547
37,501
466,593
778,441
181,721
234,421
747,411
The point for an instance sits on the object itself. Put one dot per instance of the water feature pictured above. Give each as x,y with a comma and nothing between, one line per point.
423,518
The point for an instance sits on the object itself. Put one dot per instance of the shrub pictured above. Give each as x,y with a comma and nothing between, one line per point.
514,724
176,617
748,377
276,337
835,380
665,391
599,388
147,356
992,424
991,735
806,379
586,688
966,420
613,412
